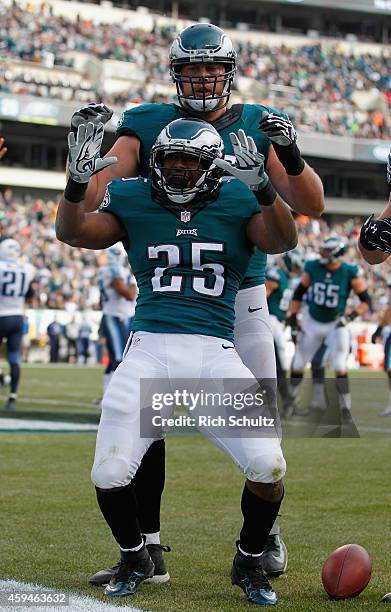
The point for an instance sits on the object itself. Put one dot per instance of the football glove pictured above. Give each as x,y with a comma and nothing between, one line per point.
94,113
84,150
294,324
376,234
249,164
283,135
389,168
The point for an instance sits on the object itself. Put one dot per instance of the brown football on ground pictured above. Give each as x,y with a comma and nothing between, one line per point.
347,571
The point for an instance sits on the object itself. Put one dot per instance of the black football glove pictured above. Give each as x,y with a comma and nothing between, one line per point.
293,323
283,135
92,113
389,168
376,234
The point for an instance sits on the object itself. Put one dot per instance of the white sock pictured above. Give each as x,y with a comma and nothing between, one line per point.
248,554
152,538
345,400
106,380
139,547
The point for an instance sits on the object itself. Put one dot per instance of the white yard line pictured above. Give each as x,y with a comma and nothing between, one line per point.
76,602
15,425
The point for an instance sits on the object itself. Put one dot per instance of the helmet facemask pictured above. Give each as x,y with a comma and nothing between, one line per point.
182,182
331,250
203,101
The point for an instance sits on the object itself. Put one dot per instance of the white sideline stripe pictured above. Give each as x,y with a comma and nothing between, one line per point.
76,602
52,402
8,424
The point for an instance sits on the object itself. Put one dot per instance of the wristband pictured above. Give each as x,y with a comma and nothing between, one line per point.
267,195
290,158
75,192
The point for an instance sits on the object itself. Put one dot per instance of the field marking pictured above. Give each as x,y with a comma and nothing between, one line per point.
76,602
53,402
38,426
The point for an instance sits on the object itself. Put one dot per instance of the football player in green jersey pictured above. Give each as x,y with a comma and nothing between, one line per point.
279,291
188,277
330,281
203,65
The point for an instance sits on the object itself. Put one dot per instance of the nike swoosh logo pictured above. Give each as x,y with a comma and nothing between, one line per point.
227,347
254,309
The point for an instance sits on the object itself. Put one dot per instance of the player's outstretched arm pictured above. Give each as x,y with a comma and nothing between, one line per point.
296,182
74,225
273,231
126,149
375,235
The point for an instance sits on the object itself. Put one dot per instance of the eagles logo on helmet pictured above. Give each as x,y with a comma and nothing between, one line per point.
197,141
203,43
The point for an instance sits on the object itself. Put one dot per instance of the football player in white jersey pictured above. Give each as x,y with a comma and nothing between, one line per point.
118,291
16,279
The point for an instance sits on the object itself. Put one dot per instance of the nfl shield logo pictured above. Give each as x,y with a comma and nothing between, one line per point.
185,216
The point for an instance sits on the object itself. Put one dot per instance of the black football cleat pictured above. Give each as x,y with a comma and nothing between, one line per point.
247,573
134,568
274,559
160,574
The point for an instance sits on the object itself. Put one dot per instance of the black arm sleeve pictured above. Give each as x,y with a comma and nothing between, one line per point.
299,292
365,297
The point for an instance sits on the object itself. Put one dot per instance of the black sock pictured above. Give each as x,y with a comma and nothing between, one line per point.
149,486
389,378
282,384
119,508
15,375
259,516
317,374
296,378
342,384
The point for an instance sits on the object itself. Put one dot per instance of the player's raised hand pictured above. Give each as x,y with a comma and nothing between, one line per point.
279,129
84,150
376,234
3,149
94,113
249,166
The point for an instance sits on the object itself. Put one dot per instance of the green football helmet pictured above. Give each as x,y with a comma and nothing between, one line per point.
331,249
202,43
190,175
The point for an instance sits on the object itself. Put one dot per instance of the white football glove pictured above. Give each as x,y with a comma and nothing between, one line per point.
279,129
249,164
84,150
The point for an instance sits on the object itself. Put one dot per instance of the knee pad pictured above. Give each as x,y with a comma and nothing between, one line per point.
110,472
266,468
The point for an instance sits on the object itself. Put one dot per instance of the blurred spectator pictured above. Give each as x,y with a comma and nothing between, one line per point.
54,332
3,149
71,333
85,332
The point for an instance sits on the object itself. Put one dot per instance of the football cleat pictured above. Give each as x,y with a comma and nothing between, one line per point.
160,574
385,412
274,559
134,568
11,404
346,416
247,573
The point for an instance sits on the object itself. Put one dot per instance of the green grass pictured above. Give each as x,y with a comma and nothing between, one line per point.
337,491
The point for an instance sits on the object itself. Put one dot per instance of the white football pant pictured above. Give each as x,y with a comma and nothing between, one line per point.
312,335
119,446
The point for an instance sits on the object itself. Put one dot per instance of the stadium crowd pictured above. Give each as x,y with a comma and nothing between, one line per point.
67,277
319,82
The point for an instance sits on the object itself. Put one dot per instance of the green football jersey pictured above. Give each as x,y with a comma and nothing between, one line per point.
188,266
147,121
279,300
329,291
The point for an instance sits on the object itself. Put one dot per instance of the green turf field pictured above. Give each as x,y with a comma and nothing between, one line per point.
337,491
